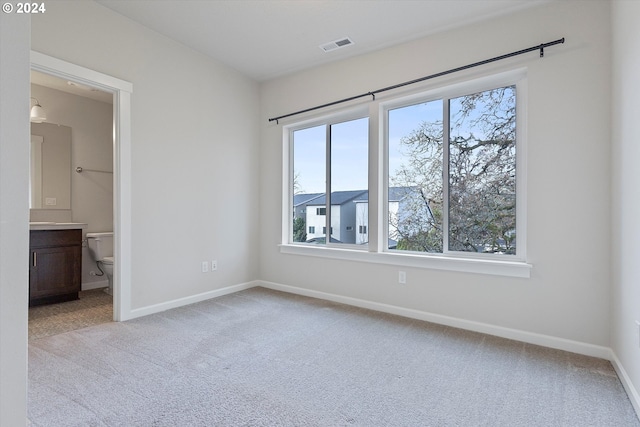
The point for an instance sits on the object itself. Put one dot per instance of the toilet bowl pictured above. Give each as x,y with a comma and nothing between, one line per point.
107,266
101,250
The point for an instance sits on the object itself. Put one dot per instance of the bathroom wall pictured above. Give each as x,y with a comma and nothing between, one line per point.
91,124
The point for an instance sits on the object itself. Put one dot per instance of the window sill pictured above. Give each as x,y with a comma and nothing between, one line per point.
436,262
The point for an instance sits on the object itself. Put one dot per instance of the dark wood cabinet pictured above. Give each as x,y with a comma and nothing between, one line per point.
55,265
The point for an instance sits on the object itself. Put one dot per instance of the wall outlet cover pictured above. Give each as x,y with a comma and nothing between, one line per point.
402,277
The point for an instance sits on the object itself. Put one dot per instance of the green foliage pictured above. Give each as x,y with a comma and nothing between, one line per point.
422,241
299,230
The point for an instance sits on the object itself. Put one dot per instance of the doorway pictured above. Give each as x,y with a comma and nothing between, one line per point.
121,92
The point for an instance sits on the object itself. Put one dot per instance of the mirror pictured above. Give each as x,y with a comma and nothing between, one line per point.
50,174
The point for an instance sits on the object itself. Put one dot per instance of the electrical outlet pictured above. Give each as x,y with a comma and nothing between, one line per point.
402,277
205,267
214,265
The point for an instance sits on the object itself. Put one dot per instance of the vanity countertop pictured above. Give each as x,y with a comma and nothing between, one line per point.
56,225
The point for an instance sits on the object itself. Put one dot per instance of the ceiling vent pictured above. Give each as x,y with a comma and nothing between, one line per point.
336,44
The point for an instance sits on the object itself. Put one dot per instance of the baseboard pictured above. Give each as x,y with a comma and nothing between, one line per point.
514,334
485,328
157,308
634,397
95,285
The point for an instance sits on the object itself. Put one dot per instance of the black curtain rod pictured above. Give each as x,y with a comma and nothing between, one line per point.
432,76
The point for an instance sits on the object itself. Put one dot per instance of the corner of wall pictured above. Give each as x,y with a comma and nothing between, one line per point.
14,213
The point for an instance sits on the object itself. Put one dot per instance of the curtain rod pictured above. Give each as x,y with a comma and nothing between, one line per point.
432,76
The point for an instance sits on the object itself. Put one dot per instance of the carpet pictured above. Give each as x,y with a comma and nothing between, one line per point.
265,358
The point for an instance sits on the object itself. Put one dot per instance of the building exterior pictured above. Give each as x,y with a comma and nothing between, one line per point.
343,217
350,214
300,202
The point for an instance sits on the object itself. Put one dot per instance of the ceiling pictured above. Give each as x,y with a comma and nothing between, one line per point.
52,82
264,39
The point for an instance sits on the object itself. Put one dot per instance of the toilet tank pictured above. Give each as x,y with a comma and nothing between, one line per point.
100,244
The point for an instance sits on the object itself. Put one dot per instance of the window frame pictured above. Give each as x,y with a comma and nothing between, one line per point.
445,95
288,175
377,249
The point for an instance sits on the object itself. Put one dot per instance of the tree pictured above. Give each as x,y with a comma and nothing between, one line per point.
418,222
299,230
297,189
481,177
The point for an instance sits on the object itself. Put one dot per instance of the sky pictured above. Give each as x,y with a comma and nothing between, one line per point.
349,148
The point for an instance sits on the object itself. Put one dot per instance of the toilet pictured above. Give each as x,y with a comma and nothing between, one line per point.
101,250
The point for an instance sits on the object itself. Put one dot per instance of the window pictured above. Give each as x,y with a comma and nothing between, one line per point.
338,150
450,167
482,172
415,175
469,140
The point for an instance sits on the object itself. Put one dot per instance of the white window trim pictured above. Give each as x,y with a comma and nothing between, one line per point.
428,261
517,78
377,252
288,174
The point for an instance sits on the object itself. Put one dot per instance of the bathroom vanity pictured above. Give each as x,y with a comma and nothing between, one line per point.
55,262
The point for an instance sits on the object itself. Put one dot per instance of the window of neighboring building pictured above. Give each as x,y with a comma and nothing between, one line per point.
321,211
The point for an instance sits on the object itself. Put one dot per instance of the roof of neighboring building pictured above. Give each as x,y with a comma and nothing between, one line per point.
399,193
338,197
395,194
301,199
322,240
341,197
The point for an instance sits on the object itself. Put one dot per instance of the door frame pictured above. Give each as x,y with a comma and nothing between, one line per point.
121,91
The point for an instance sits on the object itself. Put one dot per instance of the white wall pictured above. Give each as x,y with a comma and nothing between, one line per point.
567,296
194,150
91,124
626,178
14,216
